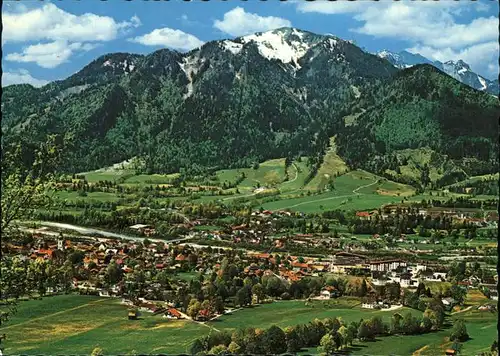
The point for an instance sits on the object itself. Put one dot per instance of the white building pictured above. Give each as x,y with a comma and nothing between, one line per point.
386,266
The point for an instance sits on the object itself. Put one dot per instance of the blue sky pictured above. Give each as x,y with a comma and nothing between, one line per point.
45,41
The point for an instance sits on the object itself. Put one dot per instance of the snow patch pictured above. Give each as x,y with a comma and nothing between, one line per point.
273,45
107,63
483,83
190,66
462,70
298,33
232,47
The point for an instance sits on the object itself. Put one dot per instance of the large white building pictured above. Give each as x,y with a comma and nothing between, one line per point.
386,266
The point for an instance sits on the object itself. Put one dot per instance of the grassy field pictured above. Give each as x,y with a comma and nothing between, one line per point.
110,175
332,164
355,190
286,313
78,324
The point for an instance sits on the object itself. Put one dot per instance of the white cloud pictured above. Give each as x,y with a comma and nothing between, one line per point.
170,38
49,55
22,76
425,25
429,26
237,22
53,24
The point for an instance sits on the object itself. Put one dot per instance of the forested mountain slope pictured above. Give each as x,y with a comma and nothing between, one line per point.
422,107
230,103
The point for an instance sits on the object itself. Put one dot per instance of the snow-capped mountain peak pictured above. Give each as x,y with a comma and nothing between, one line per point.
459,69
285,44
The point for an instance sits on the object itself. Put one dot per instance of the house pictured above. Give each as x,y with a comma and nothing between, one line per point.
104,293
380,281
203,315
329,292
180,257
449,303
363,215
173,314
450,352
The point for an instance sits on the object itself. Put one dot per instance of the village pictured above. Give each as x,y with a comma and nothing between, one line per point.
149,273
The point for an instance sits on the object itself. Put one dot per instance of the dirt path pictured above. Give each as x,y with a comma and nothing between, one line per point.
463,310
420,350
57,313
355,191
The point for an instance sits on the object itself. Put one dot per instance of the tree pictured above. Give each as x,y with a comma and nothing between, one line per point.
24,188
24,184
193,308
218,350
274,340
196,347
113,273
363,289
395,327
293,342
76,257
258,291
420,289
353,332
234,348
459,331
458,293
345,335
327,345
364,331
218,305
426,324
222,291
410,324
243,296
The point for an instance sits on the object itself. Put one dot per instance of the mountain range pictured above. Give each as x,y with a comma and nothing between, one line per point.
459,70
231,103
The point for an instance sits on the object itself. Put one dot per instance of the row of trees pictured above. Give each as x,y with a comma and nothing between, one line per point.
329,335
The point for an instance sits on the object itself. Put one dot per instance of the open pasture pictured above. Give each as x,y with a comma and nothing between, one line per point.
77,324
